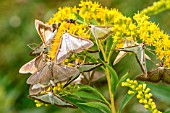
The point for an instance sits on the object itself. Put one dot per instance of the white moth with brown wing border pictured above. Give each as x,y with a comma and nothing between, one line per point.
71,44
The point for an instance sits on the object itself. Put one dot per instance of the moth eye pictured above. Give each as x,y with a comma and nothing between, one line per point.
59,25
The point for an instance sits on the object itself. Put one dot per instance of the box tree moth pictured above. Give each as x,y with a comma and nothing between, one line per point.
47,34
140,55
127,44
31,66
100,32
84,68
71,44
156,75
123,53
51,98
49,71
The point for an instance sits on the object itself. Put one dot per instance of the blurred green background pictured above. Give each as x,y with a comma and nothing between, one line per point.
17,30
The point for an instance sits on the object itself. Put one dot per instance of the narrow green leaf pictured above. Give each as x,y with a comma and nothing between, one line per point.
114,77
89,88
103,107
88,109
126,99
87,95
85,108
123,78
79,19
93,21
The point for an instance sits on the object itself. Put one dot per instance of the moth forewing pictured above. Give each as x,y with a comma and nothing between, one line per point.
52,72
88,67
140,55
37,50
152,76
101,32
45,31
29,67
42,76
166,76
119,57
123,53
63,73
38,88
71,44
51,98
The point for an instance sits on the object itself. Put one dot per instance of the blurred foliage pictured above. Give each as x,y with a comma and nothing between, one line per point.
17,30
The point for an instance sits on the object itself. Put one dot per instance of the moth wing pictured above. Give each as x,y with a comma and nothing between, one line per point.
58,101
79,44
166,76
63,52
37,50
123,53
45,31
119,57
49,34
141,78
88,67
154,75
45,98
63,73
29,67
33,90
70,44
39,62
140,55
42,76
100,32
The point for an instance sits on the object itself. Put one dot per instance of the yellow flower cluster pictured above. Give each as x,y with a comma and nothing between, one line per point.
124,28
39,104
143,94
72,28
157,7
151,34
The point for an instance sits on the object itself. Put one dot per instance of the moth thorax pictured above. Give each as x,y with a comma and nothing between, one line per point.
161,70
50,94
49,62
52,83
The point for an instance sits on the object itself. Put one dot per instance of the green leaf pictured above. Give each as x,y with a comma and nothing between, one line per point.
126,99
114,77
167,111
87,95
85,108
79,19
123,78
89,88
160,91
104,108
93,21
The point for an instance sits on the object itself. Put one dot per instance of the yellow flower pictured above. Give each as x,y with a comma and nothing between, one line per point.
143,94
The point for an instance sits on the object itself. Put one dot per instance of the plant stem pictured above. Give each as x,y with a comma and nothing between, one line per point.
111,52
108,79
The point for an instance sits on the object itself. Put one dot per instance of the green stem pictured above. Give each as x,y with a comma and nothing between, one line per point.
108,79
111,52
